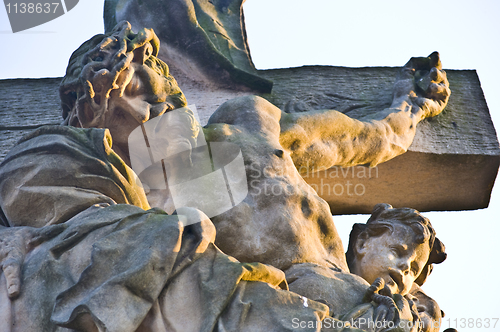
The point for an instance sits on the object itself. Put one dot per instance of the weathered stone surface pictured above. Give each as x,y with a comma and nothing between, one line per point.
8,138
464,127
29,102
205,96
427,180
105,261
459,143
205,40
74,168
26,104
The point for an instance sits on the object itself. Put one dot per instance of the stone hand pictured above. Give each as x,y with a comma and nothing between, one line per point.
423,84
392,310
377,293
15,243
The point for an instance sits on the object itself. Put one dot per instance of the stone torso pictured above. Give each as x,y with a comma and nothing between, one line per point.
282,221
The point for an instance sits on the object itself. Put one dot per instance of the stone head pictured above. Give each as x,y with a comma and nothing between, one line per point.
116,81
398,245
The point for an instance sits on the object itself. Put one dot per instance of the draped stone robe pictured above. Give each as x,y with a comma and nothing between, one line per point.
116,264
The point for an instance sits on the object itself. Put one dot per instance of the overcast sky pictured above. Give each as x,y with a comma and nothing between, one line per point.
354,33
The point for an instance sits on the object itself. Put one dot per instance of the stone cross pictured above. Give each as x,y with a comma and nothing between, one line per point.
451,165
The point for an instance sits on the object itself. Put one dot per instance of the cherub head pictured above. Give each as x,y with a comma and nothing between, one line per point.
398,245
116,81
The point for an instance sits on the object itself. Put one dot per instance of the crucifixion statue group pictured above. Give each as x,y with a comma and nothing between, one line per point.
85,245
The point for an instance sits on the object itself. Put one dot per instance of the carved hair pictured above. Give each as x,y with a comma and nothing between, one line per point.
95,66
384,218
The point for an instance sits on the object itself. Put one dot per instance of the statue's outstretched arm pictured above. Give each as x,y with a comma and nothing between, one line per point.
321,139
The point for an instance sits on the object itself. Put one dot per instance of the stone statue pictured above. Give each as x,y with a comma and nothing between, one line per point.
132,85
88,243
204,40
394,252
402,236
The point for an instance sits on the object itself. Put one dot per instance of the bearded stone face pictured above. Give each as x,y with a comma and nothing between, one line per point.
115,81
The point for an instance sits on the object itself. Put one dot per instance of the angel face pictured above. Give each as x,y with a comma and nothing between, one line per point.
394,256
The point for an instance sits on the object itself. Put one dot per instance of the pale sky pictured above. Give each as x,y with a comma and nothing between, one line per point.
342,33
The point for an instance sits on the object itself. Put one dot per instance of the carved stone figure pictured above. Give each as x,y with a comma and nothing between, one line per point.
204,40
403,239
115,266
115,81
394,252
139,88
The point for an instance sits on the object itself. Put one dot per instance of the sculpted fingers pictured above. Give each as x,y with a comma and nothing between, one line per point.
431,85
423,75
439,87
15,243
435,61
433,92
434,81
12,271
12,255
438,92
425,63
